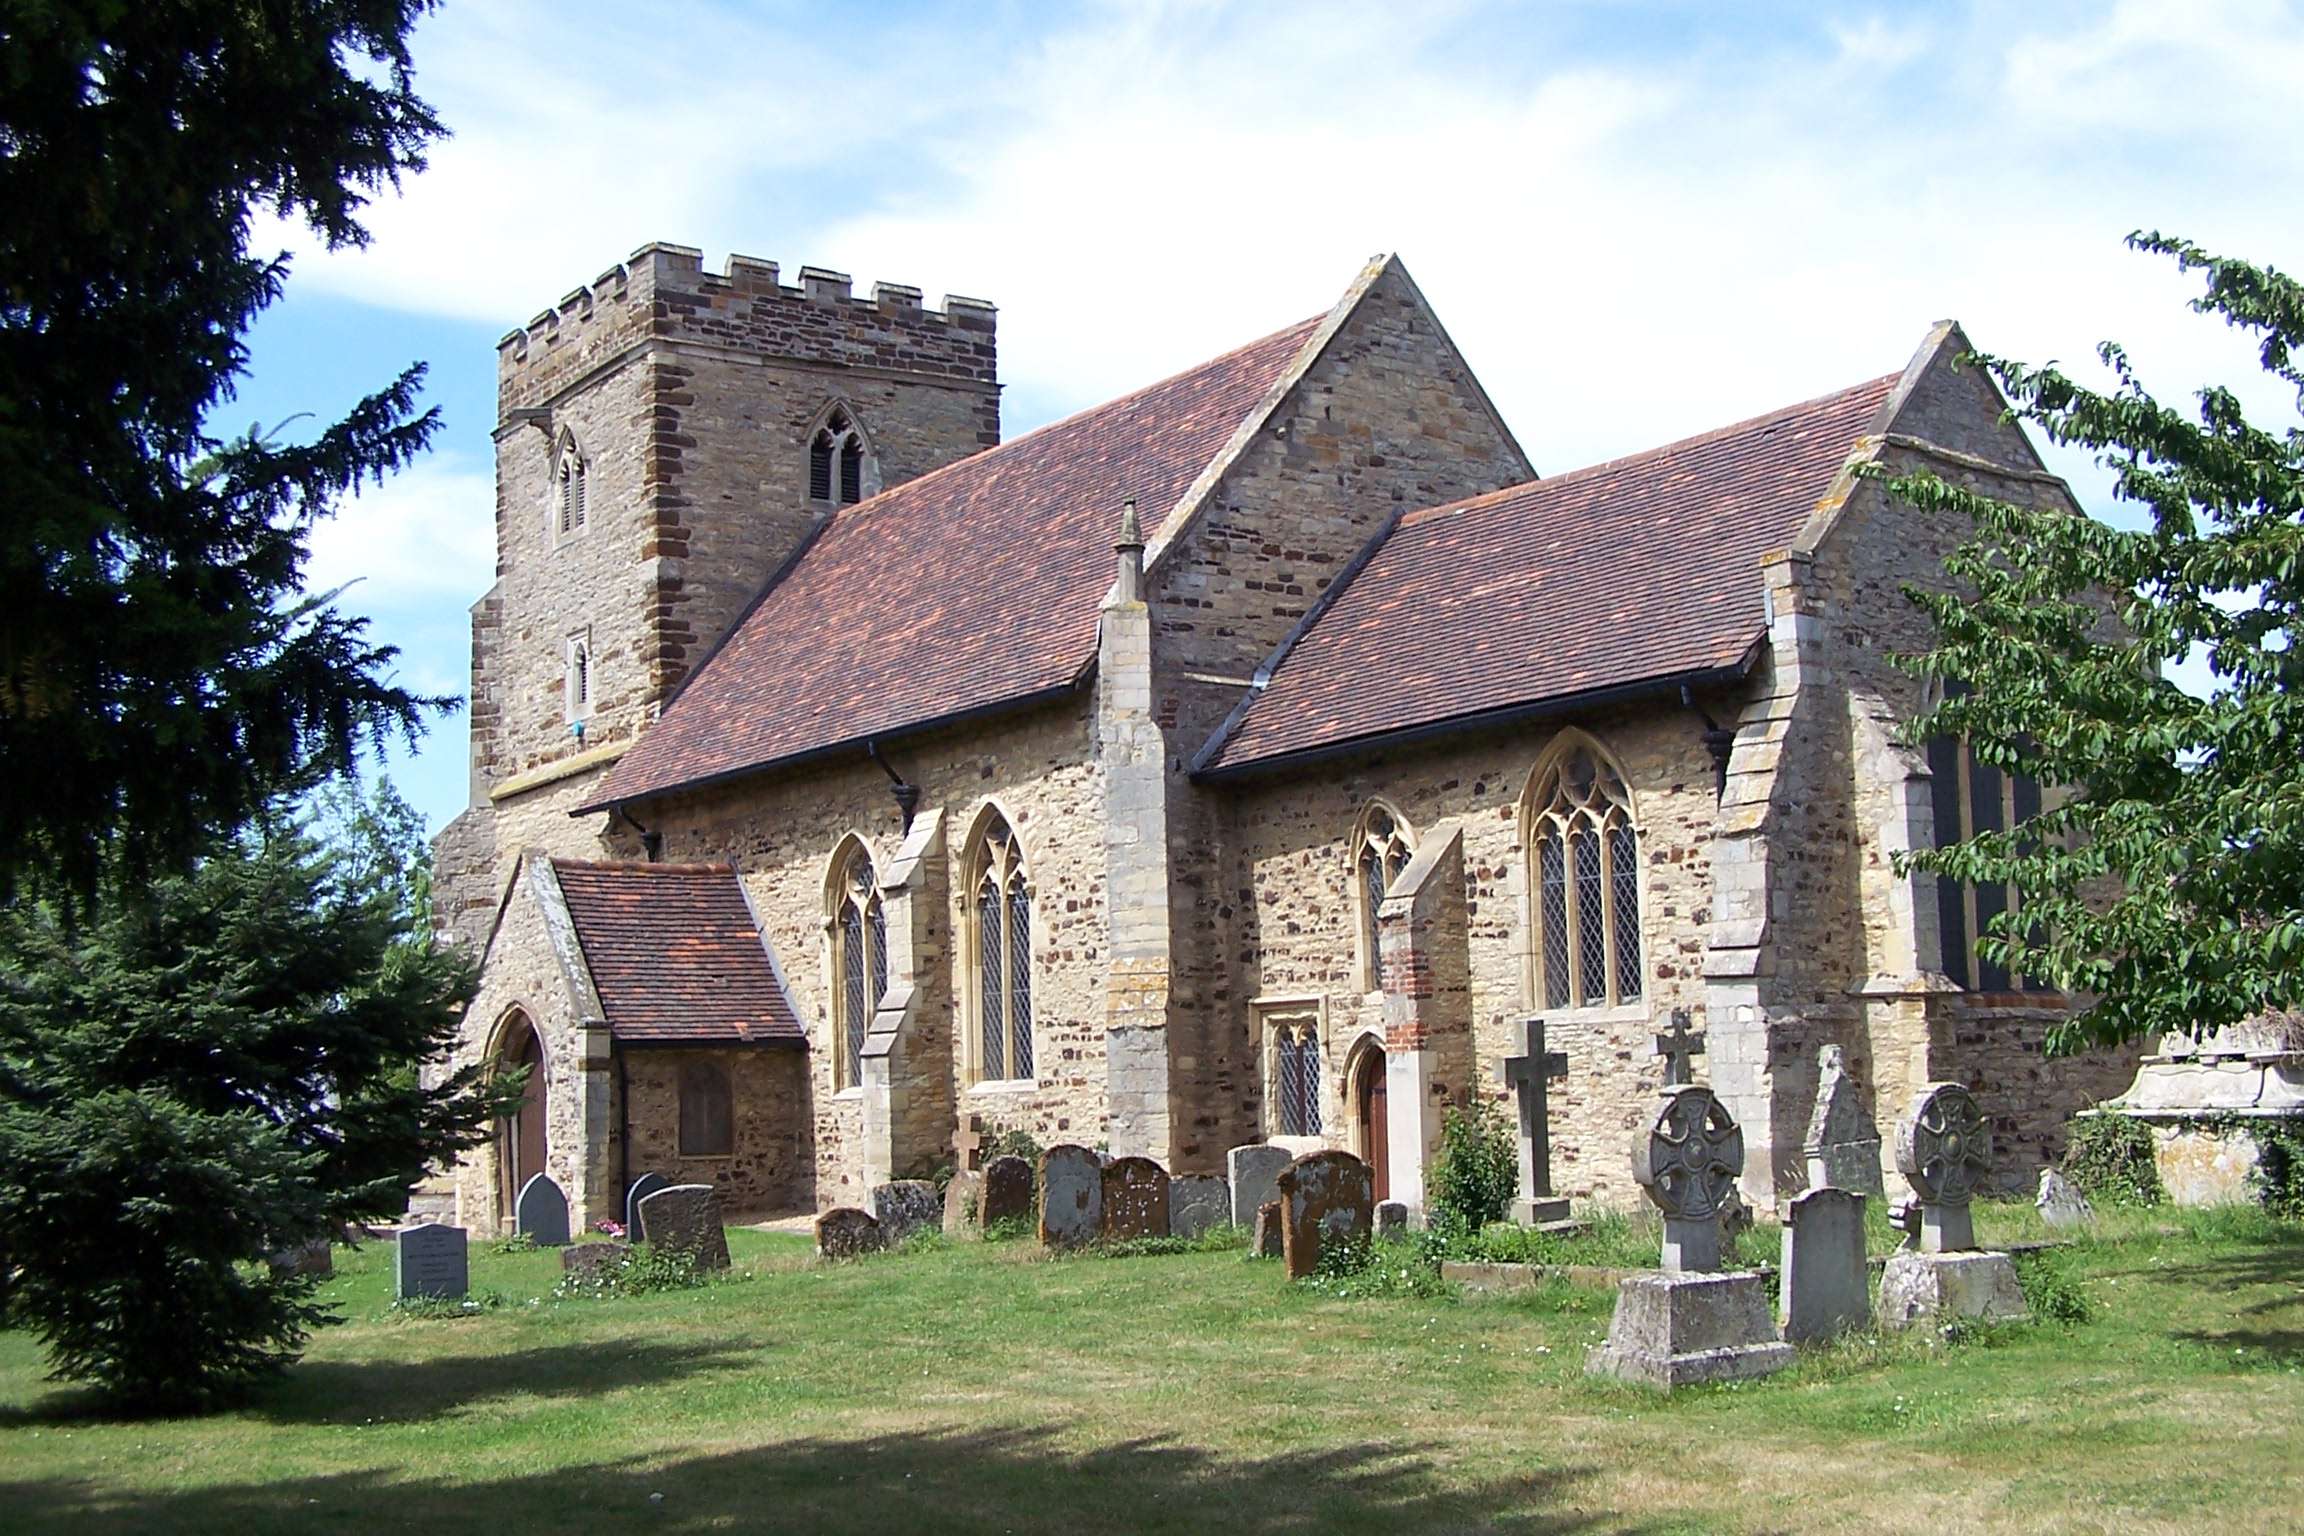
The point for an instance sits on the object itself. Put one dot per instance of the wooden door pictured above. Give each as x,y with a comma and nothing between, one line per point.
1375,1123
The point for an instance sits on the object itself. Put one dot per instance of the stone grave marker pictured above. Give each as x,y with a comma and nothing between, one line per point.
1071,1196
1843,1146
968,1145
593,1263
1007,1191
1254,1173
1135,1198
845,1232
313,1257
963,1200
1529,1075
1392,1219
2061,1205
1271,1243
1823,1279
642,1187
1680,1050
905,1207
1327,1200
1688,1158
1197,1202
429,1261
1944,1151
685,1218
541,1213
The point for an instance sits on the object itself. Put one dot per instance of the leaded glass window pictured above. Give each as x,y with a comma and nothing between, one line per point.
1972,797
1296,1068
860,959
1381,851
1003,957
1586,855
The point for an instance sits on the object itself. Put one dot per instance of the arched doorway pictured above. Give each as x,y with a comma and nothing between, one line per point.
1371,1125
522,1144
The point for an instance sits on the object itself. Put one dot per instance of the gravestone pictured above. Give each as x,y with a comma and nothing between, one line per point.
905,1207
1007,1191
1944,1151
429,1261
1327,1200
541,1213
1391,1220
2061,1205
1679,1050
1271,1242
1824,1281
1529,1075
1071,1197
314,1257
1255,1176
968,1145
1135,1198
1197,1202
1843,1147
642,1187
963,1200
594,1263
1688,1158
685,1218
844,1232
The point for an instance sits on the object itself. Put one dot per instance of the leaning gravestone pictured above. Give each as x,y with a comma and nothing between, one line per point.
1071,1197
313,1257
642,1187
541,1213
1824,1281
1271,1242
1135,1198
2061,1205
844,1232
1007,1191
1254,1173
594,1263
429,1261
1944,1151
963,1200
905,1207
1843,1147
1197,1202
1327,1201
1683,1324
686,1219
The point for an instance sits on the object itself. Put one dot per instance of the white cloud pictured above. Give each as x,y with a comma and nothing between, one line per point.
417,551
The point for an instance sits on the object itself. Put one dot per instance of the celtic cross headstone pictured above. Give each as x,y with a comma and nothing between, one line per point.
1944,1151
1679,1050
1687,1159
1529,1075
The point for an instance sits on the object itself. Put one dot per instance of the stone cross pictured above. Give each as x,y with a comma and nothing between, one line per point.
1529,1075
968,1144
1679,1050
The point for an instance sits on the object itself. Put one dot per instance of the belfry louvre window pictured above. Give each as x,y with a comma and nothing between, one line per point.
860,961
1380,853
1586,856
571,475
1972,797
1296,1068
577,683
1001,957
836,462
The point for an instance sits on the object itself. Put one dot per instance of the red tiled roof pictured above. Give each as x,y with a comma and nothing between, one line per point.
674,954
966,589
1638,570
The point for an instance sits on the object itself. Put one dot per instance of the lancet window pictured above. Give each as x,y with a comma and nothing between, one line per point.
1585,851
1971,797
836,462
576,685
859,960
1000,956
571,473
1381,850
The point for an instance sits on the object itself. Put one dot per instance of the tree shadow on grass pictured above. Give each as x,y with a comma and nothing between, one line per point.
999,1482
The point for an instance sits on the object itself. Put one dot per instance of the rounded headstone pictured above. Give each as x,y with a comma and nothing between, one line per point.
1196,1202
1944,1145
642,1187
1007,1191
905,1207
1327,1200
686,1219
1135,1198
1689,1155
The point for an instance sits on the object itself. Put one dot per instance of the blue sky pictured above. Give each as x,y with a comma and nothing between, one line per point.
1638,220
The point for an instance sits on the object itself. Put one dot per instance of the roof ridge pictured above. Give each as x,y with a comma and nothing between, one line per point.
642,866
1623,461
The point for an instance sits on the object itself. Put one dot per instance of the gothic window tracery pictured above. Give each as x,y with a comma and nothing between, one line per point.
859,961
571,476
1584,857
1381,848
1296,1076
836,461
1000,956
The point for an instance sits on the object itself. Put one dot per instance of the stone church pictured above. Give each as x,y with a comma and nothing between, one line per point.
1244,759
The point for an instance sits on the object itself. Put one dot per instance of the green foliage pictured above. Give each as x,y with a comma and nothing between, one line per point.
162,676
1606,1239
1012,1229
2168,885
188,1082
2110,1158
999,1142
1359,1271
2279,1167
1478,1169
2051,1289
644,1270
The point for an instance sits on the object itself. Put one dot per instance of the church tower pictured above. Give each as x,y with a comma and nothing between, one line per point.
667,439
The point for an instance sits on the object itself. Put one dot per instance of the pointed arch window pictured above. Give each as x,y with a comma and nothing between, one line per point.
1381,848
836,461
571,477
577,681
1970,797
1000,957
859,961
1585,850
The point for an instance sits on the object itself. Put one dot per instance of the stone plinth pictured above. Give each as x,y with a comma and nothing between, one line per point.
1677,1330
1931,1289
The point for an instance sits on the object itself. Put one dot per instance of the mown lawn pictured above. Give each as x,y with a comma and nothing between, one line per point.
988,1389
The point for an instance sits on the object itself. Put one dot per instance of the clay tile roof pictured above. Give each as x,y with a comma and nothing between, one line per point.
674,954
1640,570
968,589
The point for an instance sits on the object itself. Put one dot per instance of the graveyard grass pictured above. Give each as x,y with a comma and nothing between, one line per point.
986,1388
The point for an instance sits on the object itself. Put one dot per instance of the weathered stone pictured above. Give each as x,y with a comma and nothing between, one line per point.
1271,1240
1675,1330
593,1263
1944,1151
314,1257
1071,1197
1007,1191
1135,1198
1391,1219
686,1219
1197,1202
1843,1147
1687,1159
2061,1205
963,1200
1529,1075
1327,1201
1931,1289
429,1261
1824,1281
905,1207
541,1212
1254,1174
845,1232
642,1187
